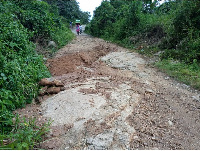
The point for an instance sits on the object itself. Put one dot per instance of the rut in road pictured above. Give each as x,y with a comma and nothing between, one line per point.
114,100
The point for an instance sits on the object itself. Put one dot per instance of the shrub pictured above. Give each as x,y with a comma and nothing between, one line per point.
187,73
62,35
21,67
26,135
22,23
36,17
184,33
172,27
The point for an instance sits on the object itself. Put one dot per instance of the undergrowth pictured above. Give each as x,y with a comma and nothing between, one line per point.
22,24
186,73
25,135
171,29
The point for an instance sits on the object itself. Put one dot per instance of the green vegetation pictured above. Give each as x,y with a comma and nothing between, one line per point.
69,10
23,26
187,73
25,135
21,67
172,28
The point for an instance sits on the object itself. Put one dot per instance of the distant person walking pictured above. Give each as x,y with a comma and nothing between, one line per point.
77,29
70,24
80,29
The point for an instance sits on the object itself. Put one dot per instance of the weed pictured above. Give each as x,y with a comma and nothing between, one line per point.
187,73
25,135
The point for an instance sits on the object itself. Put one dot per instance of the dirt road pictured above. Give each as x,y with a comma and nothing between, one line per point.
115,100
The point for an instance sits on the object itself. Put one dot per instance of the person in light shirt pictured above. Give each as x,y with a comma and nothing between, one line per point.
77,29
80,29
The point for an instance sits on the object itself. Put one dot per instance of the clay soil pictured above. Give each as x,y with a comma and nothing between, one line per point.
115,100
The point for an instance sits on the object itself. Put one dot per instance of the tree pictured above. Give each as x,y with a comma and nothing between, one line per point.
103,18
70,10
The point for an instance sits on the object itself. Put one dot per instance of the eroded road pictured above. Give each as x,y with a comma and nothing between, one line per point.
114,100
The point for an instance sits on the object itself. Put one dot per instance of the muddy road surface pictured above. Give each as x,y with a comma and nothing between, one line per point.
115,100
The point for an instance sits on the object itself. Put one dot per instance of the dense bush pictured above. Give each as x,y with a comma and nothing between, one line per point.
26,135
171,28
69,10
111,22
20,66
23,23
103,19
184,36
35,16
42,21
174,26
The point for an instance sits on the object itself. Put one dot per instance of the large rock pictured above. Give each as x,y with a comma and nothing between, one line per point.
45,82
53,90
51,82
50,86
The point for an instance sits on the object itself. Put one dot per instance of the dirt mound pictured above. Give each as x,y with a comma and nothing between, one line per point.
71,62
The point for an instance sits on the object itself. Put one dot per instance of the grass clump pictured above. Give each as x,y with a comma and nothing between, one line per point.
25,135
187,73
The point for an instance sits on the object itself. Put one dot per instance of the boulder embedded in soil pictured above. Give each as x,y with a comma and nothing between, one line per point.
51,86
53,90
51,82
45,82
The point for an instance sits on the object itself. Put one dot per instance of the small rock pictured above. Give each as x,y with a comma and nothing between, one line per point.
170,123
154,148
135,137
185,86
62,89
45,59
166,78
196,98
140,47
159,53
57,133
52,44
99,148
89,141
149,91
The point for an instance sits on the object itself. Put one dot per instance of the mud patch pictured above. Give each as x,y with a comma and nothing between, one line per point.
72,62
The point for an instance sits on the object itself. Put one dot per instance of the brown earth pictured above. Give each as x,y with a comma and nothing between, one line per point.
115,100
